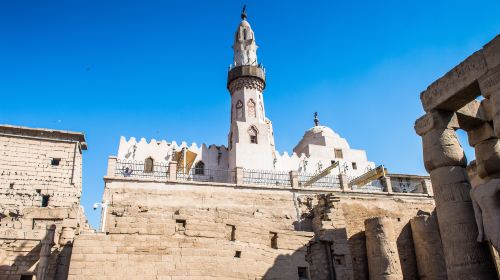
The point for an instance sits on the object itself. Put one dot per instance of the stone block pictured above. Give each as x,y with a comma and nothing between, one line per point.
488,158
491,52
457,87
480,133
489,83
485,111
434,120
441,148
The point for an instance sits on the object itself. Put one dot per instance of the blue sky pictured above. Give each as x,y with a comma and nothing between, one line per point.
157,69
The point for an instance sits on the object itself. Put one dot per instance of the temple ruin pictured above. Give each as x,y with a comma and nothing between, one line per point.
177,211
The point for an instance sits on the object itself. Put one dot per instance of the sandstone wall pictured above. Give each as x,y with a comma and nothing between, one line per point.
175,230
28,173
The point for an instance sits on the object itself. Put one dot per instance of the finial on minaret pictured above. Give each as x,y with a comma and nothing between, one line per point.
244,12
316,120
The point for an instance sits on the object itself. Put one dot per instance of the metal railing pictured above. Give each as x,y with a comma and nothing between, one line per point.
265,177
373,186
404,185
329,181
137,169
207,175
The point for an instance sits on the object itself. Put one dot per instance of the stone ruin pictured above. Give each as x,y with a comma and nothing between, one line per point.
174,228
467,194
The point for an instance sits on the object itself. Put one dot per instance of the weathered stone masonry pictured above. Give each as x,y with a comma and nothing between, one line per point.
40,186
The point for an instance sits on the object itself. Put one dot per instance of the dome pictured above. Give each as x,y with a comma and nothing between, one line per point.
319,130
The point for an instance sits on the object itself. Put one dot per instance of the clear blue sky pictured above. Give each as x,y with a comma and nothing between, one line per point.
157,69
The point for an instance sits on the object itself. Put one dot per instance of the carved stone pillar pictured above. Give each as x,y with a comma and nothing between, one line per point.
428,248
382,250
486,194
445,161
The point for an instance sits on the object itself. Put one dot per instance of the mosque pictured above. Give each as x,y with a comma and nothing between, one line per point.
251,144
238,211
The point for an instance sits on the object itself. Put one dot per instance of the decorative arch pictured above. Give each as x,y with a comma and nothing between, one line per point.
239,109
199,168
253,133
149,165
251,108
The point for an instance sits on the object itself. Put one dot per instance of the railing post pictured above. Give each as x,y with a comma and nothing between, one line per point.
111,166
427,187
344,183
239,175
387,184
172,170
294,179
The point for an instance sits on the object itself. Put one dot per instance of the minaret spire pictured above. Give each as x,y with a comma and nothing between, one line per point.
244,46
316,120
244,12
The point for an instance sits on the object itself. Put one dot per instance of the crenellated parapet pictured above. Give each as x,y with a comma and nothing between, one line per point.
163,152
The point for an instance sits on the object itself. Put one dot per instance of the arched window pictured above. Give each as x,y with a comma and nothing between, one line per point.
244,34
251,108
239,109
199,168
252,131
148,165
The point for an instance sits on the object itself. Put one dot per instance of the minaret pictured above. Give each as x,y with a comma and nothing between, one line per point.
251,139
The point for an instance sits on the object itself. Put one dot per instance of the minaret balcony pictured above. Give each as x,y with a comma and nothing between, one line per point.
246,71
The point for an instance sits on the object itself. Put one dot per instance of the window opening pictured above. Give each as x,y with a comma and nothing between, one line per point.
253,135
180,225
274,239
251,108
239,109
231,232
55,161
148,165
302,273
199,168
338,153
45,200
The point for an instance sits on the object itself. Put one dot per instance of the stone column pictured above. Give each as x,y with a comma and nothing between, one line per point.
428,248
382,250
445,161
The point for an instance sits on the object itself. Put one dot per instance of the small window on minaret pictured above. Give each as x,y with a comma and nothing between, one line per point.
253,135
244,34
239,109
251,108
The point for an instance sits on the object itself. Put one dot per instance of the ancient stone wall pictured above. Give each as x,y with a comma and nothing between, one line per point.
193,230
40,186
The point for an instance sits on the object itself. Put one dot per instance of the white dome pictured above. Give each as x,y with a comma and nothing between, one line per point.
319,130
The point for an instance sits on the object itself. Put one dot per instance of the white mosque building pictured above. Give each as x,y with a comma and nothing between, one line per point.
251,137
